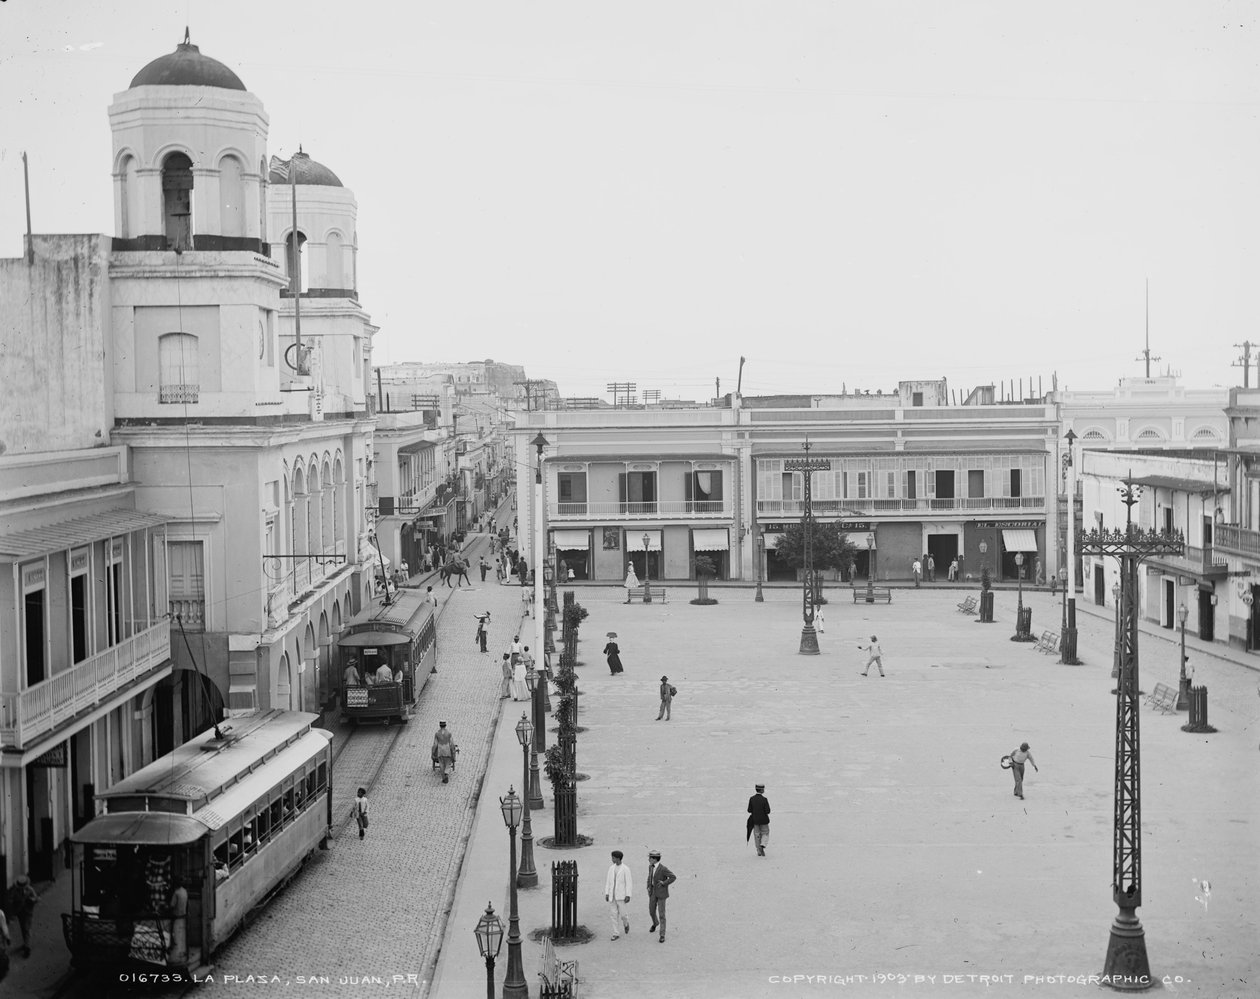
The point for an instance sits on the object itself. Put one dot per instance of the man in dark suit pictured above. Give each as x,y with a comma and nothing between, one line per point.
759,820
659,879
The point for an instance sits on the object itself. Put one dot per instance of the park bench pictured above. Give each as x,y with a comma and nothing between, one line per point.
968,606
1163,697
1048,642
883,593
559,978
658,593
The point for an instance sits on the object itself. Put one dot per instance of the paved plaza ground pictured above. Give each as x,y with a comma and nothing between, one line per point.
897,849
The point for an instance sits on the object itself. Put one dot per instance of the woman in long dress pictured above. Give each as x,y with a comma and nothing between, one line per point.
520,689
614,654
632,581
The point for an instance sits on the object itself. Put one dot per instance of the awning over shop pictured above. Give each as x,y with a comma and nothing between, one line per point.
1195,487
572,540
710,539
634,540
72,533
1019,541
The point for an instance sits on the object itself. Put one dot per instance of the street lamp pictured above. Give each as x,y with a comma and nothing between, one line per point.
1067,640
647,575
1183,685
540,632
514,986
527,876
534,794
489,932
1022,626
870,568
761,554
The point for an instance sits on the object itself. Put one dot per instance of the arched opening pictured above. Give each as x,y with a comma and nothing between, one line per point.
336,250
339,483
300,531
327,510
231,197
284,684
262,201
129,217
302,265
177,190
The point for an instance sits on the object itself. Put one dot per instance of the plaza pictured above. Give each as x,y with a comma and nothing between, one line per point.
899,862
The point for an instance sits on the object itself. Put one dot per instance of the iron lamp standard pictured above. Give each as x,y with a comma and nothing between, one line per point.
534,793
514,986
760,547
1183,684
538,555
870,568
1067,640
1023,615
647,573
489,932
527,875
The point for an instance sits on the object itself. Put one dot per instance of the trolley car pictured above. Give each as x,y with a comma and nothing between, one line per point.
385,655
187,846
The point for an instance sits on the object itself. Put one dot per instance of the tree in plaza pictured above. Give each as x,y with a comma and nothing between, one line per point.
706,569
832,549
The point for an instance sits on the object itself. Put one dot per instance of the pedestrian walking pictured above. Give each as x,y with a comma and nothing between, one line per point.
667,698
617,887
527,600
759,820
916,570
659,879
360,811
522,570
953,571
431,598
931,567
876,656
22,899
1018,758
481,632
444,750
515,649
632,581
614,654
484,566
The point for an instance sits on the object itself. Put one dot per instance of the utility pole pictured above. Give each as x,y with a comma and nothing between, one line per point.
1245,361
1147,352
621,391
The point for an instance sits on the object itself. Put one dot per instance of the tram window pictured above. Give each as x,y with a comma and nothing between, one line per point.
276,813
310,784
264,824
236,848
288,805
321,777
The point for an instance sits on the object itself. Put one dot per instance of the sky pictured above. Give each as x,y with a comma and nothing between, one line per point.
847,194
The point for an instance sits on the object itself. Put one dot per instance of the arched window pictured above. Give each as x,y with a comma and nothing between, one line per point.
1149,434
262,201
336,261
179,370
231,197
302,262
177,189
1093,435
129,217
1205,434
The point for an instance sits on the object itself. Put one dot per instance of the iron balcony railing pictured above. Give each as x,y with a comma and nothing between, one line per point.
608,509
923,504
1236,540
30,713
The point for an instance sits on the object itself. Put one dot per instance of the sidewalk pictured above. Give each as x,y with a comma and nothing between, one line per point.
897,848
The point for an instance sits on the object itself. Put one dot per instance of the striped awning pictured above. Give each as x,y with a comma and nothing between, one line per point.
710,539
72,533
1019,541
571,540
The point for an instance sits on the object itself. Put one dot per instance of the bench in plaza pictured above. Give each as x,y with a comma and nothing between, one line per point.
559,978
658,593
883,593
968,606
1163,697
1048,642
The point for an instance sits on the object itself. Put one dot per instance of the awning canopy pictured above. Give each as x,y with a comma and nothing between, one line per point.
571,540
634,540
72,533
1195,487
367,639
142,829
710,539
1019,541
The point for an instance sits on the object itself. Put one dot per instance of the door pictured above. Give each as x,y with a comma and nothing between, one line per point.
1207,616
1100,585
944,549
1170,604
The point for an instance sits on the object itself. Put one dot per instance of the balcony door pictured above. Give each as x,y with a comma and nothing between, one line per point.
703,491
637,492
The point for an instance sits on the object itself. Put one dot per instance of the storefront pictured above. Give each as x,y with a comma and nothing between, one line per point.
572,548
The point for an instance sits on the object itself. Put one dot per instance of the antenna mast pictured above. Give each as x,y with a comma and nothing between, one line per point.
1147,352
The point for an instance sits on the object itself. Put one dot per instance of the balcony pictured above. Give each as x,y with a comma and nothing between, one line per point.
1234,540
42,708
655,510
1205,562
789,508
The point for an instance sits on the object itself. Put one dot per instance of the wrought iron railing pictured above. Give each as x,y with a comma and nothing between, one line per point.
656,508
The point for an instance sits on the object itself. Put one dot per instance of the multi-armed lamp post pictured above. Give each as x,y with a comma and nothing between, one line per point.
1067,640
807,466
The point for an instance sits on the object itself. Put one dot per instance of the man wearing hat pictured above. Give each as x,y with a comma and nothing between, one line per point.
444,750
22,899
659,879
617,894
759,820
667,699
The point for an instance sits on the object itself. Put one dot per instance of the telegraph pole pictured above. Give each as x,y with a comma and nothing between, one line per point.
621,392
807,466
1245,361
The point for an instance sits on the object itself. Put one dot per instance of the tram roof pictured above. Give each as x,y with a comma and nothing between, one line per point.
261,783
142,829
403,606
203,767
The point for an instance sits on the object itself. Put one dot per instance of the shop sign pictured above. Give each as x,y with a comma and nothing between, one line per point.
1008,525
779,527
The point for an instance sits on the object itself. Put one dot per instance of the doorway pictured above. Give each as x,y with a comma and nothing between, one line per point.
1100,585
943,548
39,824
1170,604
647,565
1207,616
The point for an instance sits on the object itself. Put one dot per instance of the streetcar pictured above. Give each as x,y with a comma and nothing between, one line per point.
184,848
385,655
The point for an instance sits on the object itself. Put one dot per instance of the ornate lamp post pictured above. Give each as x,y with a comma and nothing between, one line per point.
647,568
807,466
534,793
514,986
1126,966
870,568
1183,685
1023,615
1067,640
760,548
489,933
540,548
526,875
